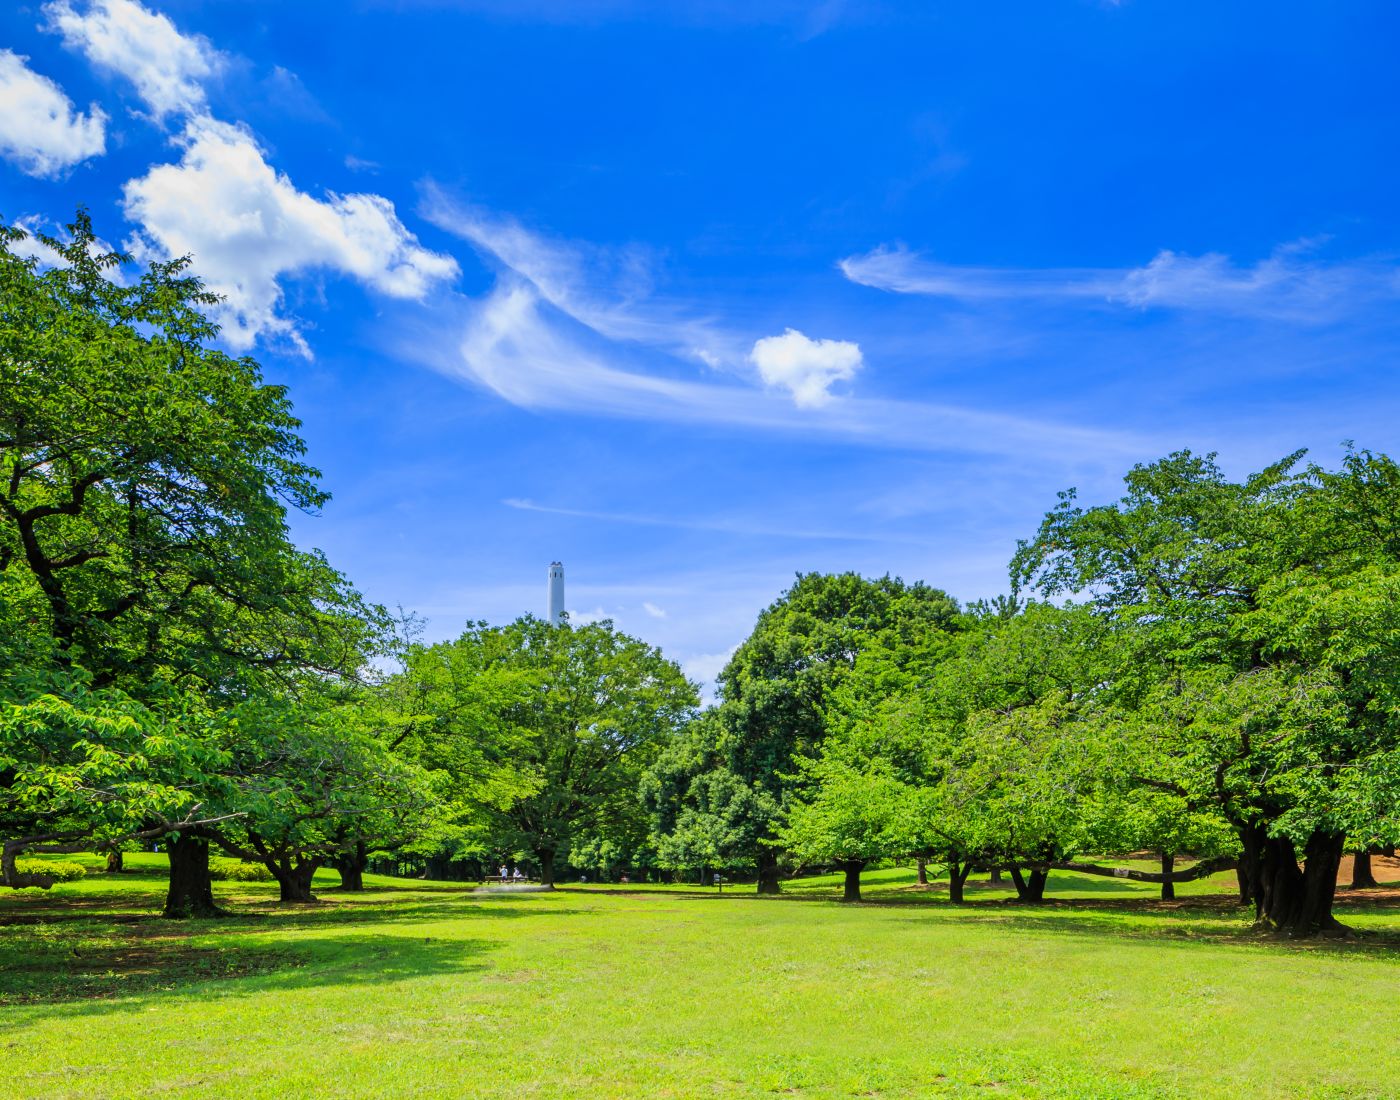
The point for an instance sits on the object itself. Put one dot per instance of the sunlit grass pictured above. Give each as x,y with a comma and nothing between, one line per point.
426,990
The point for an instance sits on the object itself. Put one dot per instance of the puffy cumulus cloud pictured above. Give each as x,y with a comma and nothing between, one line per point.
40,130
167,68
248,227
804,367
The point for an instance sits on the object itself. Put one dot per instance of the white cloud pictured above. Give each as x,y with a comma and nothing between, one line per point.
248,227
572,327
167,68
804,367
1288,285
905,272
40,131
652,610
607,290
31,247
704,669
36,226
511,346
728,525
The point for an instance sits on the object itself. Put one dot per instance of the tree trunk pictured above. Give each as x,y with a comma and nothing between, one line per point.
1362,877
352,874
351,866
294,879
957,875
114,861
853,868
768,871
1245,886
1294,902
1029,888
1388,851
995,877
922,865
1168,887
546,858
1248,871
191,891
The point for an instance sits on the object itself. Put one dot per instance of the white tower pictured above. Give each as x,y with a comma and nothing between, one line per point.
556,592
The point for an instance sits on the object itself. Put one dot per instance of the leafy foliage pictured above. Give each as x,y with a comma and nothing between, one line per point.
546,731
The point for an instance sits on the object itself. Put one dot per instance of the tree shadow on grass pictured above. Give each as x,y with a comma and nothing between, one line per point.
1200,918
31,911
80,949
331,907
74,975
1206,919
332,911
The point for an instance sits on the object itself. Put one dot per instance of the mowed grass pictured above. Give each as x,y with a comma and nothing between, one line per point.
428,990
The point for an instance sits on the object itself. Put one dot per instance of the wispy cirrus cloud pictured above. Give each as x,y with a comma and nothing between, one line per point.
571,328
608,290
1291,284
514,345
611,292
718,526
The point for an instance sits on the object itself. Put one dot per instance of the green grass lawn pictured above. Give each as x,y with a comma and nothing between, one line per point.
426,990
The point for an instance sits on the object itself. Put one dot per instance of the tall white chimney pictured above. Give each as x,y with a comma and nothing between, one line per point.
556,592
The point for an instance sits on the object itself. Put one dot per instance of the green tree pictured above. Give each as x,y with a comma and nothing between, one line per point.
849,816
1018,714
309,773
1266,604
865,793
144,554
776,689
559,724
144,476
702,815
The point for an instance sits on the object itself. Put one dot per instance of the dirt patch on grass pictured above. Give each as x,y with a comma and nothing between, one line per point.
1385,870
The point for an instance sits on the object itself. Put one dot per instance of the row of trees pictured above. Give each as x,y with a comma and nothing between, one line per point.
1218,678
1225,684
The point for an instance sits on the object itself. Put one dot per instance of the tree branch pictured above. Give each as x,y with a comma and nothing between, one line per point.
1203,869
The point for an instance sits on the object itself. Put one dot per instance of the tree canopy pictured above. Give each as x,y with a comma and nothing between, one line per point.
566,717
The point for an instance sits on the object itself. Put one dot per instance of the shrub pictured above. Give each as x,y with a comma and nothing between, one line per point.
235,870
60,870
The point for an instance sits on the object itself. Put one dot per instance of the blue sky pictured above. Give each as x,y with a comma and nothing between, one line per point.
695,296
